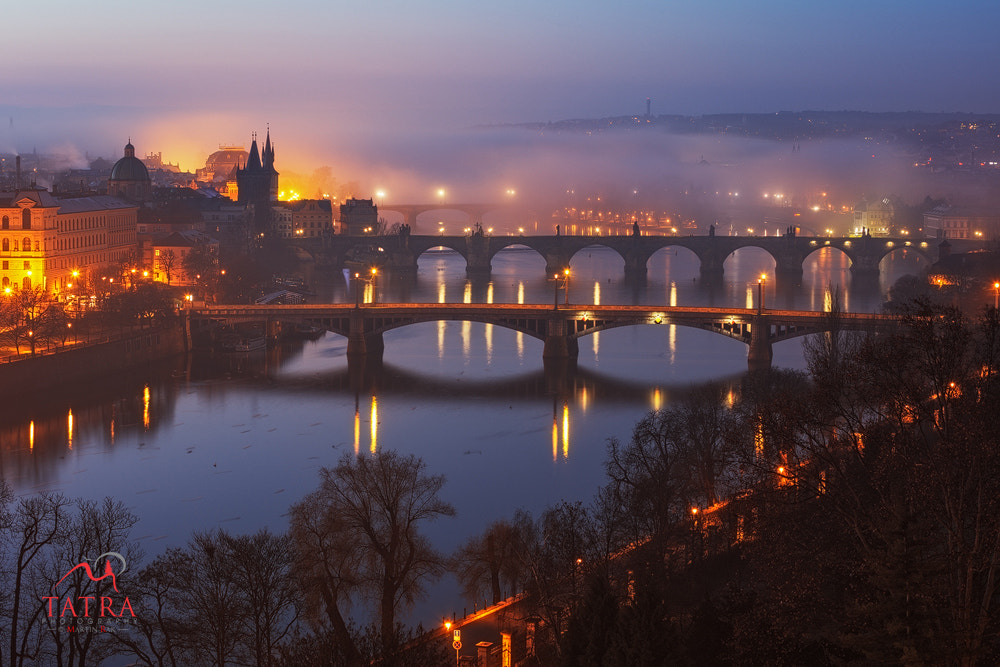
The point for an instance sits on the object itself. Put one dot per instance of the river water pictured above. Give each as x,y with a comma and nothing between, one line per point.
232,441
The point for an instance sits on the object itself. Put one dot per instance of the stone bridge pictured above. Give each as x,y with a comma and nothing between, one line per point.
559,327
400,252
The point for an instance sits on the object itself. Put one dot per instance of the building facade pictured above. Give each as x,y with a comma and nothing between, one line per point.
358,217
303,218
61,244
953,222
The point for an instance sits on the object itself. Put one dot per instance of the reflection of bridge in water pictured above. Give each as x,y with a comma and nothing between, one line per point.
559,327
402,251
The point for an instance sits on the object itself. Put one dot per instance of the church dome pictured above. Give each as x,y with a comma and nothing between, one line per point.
129,168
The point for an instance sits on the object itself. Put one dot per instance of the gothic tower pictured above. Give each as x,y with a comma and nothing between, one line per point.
257,182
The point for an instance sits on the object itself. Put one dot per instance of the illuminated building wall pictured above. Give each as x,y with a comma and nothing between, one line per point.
44,240
303,218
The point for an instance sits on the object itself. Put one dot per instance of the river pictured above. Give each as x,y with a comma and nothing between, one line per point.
232,441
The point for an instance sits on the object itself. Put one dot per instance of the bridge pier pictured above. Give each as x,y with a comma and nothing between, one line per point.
760,354
556,261
712,265
635,269
477,256
361,342
558,344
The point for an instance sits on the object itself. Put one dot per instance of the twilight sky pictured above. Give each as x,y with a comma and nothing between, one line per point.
338,80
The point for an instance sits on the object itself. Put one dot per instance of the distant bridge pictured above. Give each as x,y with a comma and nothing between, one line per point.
790,252
559,327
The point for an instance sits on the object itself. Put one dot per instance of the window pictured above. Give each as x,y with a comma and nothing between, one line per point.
27,266
6,265
6,223
26,243
6,245
6,281
26,218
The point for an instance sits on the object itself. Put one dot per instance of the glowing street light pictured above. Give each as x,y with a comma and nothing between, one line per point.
760,292
996,295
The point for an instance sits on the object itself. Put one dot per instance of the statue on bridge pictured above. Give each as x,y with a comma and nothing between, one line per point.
711,231
635,228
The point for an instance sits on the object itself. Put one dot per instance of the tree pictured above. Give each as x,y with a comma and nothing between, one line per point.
168,263
37,524
363,537
489,563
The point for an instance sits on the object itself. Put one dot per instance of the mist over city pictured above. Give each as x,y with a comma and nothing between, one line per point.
516,335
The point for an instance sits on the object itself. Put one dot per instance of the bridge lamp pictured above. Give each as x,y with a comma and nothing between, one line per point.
996,295
760,291
658,319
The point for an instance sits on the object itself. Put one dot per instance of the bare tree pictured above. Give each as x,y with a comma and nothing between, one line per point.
37,524
374,506
260,564
489,563
168,263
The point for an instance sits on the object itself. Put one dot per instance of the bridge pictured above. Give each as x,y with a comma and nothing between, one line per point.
559,326
401,251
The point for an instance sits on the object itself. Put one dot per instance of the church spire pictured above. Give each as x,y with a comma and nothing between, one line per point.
268,157
253,160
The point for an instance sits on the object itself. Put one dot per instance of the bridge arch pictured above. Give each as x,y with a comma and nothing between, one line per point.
674,261
758,257
816,253
920,250
499,260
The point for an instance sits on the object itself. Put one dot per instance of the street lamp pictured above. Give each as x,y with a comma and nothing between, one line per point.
357,287
996,295
456,642
566,284
760,292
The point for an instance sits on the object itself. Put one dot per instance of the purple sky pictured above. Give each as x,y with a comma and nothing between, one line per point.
347,83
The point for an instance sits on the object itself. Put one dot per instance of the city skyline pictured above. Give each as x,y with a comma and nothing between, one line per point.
359,86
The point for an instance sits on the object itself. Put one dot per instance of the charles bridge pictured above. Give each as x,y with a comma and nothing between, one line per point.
400,252
559,326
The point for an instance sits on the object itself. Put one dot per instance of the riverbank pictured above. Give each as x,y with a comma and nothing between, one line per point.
74,363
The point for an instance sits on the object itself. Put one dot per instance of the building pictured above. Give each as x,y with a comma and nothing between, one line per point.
257,182
303,218
874,218
358,217
170,254
220,166
129,178
953,222
62,244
